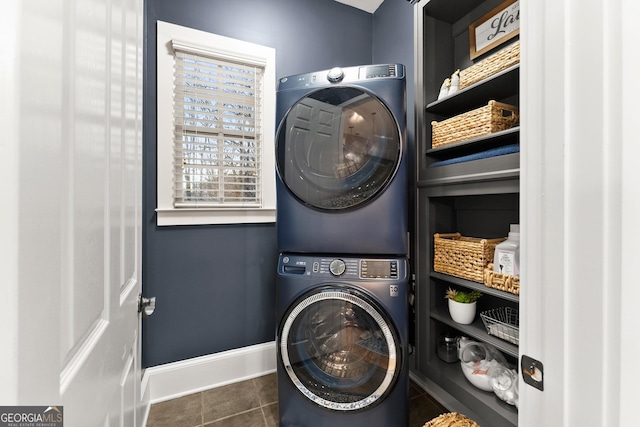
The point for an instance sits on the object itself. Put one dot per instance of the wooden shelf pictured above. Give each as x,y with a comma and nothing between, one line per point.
476,171
497,139
450,378
498,86
475,285
475,330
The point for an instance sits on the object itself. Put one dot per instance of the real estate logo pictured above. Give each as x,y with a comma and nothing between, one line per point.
31,416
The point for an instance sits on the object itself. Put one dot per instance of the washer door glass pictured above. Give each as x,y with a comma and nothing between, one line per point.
339,350
338,147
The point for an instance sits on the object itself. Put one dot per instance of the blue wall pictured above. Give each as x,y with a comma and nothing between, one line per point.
215,285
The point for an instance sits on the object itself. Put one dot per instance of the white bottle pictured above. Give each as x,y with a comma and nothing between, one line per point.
444,89
455,83
506,258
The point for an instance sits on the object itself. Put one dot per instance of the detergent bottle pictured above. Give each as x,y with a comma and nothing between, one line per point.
506,258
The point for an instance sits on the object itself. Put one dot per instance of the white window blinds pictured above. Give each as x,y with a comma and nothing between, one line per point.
218,137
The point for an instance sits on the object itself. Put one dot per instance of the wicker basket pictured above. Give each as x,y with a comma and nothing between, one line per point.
451,419
504,282
501,60
464,257
493,117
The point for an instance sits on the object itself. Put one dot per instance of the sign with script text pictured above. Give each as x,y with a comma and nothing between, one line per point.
494,28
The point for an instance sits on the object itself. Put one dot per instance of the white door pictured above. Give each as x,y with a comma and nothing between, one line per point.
579,211
71,111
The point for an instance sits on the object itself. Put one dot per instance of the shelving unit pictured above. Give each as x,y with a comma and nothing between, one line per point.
477,198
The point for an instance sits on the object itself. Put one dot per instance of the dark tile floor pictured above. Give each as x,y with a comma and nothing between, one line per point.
254,403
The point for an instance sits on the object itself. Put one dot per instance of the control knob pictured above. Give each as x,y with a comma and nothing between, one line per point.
337,267
335,74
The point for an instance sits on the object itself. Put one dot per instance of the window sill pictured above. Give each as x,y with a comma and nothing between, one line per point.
200,216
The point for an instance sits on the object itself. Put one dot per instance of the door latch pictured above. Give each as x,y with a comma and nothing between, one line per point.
146,306
532,372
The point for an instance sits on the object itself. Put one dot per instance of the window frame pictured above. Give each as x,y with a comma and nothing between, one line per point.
166,213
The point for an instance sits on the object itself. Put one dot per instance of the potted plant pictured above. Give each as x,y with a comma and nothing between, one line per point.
462,305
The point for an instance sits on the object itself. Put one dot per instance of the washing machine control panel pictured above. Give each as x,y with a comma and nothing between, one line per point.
378,269
336,267
348,268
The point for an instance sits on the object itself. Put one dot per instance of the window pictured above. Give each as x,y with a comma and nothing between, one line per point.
216,126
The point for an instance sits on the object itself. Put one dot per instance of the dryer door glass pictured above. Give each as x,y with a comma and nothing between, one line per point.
339,349
338,147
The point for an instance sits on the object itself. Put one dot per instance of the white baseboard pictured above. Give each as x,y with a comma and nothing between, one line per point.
201,373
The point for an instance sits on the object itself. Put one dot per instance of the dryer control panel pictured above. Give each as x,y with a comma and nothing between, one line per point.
342,75
343,267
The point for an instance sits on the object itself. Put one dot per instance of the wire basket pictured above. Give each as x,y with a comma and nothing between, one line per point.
502,322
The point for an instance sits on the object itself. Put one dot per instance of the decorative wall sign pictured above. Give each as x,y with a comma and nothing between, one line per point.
494,28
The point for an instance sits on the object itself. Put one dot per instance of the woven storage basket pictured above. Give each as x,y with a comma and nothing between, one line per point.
501,60
464,257
504,282
451,419
493,117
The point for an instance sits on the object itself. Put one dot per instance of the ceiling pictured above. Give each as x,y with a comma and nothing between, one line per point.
366,5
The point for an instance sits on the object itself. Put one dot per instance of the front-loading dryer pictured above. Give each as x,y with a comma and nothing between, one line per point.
342,166
342,341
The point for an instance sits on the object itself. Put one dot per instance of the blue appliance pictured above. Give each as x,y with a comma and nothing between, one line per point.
342,341
342,161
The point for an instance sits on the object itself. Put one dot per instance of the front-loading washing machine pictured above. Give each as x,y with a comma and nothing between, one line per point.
342,165
342,341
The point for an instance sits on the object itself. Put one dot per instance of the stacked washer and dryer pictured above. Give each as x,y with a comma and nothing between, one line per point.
342,224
